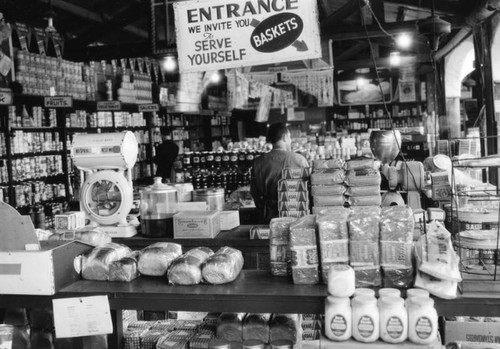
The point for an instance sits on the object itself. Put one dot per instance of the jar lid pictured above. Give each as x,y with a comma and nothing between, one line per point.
159,187
338,300
364,300
282,344
218,343
253,344
389,292
416,292
389,301
422,301
364,292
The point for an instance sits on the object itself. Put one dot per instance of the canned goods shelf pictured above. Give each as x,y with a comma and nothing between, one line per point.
36,129
46,178
24,155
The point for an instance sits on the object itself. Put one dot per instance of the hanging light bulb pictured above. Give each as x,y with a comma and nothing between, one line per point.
404,41
395,59
169,64
215,77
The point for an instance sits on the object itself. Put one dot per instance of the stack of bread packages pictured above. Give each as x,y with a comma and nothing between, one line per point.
327,185
333,238
396,236
304,251
363,183
364,254
293,192
279,233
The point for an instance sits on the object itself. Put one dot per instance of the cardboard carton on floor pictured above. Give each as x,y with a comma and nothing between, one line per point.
471,331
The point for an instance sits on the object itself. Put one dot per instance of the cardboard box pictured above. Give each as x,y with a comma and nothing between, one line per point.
229,220
292,185
293,196
260,232
294,214
293,206
486,332
41,272
196,224
295,173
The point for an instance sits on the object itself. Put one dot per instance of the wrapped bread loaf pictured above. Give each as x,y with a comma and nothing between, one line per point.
230,327
328,190
124,269
364,253
367,276
256,326
285,326
324,176
332,163
364,224
186,270
371,200
325,201
93,236
333,239
278,245
398,277
360,163
223,267
371,190
361,177
155,259
95,264
304,251
396,236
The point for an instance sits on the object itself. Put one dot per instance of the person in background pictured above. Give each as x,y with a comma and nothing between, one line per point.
166,153
267,171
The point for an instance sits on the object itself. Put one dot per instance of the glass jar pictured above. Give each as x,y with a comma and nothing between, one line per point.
389,292
365,319
415,292
422,320
282,344
393,319
338,318
253,344
364,292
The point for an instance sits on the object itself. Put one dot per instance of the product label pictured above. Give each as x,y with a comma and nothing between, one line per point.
366,326
395,254
338,325
423,327
304,256
278,253
394,327
335,251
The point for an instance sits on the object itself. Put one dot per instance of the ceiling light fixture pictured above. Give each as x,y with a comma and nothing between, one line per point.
404,41
169,64
215,77
395,59
433,28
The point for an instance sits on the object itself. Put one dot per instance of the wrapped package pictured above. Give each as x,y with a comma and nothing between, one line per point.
223,267
132,339
396,236
295,173
285,326
95,264
397,277
124,269
149,339
446,289
230,327
166,342
362,177
294,196
186,270
332,163
334,200
364,253
328,176
325,210
360,163
94,236
372,200
328,190
371,190
364,224
201,340
333,239
304,251
278,245
256,326
295,185
293,214
367,276
293,206
155,259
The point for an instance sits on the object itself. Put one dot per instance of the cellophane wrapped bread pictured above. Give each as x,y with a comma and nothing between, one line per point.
333,240
362,177
396,236
364,224
371,200
304,251
230,327
95,264
285,326
368,276
398,277
124,269
328,190
256,326
371,190
223,267
334,200
149,339
94,236
155,259
332,163
279,232
360,163
328,176
186,270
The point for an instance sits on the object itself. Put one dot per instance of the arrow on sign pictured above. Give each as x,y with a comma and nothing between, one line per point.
300,45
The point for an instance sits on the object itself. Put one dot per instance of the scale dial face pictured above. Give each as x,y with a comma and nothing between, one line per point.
107,197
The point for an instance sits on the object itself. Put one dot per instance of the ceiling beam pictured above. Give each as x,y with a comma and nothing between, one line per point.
380,62
350,52
377,7
342,13
401,14
441,7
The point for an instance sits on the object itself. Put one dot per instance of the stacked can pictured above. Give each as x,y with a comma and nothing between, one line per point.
293,192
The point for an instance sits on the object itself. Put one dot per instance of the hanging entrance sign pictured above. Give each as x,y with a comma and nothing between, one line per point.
221,34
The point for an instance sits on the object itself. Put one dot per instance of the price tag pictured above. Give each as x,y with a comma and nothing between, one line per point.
5,96
109,106
58,102
149,107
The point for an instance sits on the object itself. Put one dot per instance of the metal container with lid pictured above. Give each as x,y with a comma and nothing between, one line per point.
213,197
158,205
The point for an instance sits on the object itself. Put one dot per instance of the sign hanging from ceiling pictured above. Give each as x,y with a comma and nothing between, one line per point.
222,34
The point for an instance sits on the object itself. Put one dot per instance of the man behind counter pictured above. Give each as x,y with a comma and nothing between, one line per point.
267,171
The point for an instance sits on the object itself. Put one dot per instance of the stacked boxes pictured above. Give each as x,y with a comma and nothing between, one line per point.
293,192
278,245
304,251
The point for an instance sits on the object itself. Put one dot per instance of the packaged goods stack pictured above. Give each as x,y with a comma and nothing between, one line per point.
278,245
363,183
304,251
328,185
293,192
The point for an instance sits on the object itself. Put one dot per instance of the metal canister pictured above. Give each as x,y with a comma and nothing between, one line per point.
213,197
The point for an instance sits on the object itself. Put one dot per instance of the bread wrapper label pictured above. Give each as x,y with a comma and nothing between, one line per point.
395,254
292,185
328,176
293,206
335,251
296,173
293,196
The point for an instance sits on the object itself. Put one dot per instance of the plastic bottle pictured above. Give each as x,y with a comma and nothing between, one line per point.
422,320
393,319
365,319
389,292
415,292
338,318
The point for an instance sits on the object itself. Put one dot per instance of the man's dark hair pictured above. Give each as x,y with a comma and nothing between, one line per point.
276,132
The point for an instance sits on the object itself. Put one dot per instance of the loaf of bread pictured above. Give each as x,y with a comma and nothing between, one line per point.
367,276
279,232
365,176
364,253
285,326
95,264
93,236
327,176
397,224
124,269
332,163
256,326
328,190
372,200
334,200
372,190
223,267
364,224
304,251
186,270
230,327
155,259
360,163
398,277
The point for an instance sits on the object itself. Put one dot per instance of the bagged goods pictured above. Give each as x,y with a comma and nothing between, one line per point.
256,326
278,245
293,196
95,265
201,340
293,206
332,163
362,177
303,250
367,276
155,259
186,270
285,326
397,277
230,327
373,200
446,289
223,267
92,236
373,190
149,339
360,163
397,224
364,253
292,185
329,200
295,173
124,269
328,190
364,224
327,176
293,214
325,210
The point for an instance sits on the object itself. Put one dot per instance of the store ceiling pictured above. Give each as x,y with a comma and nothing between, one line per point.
120,27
